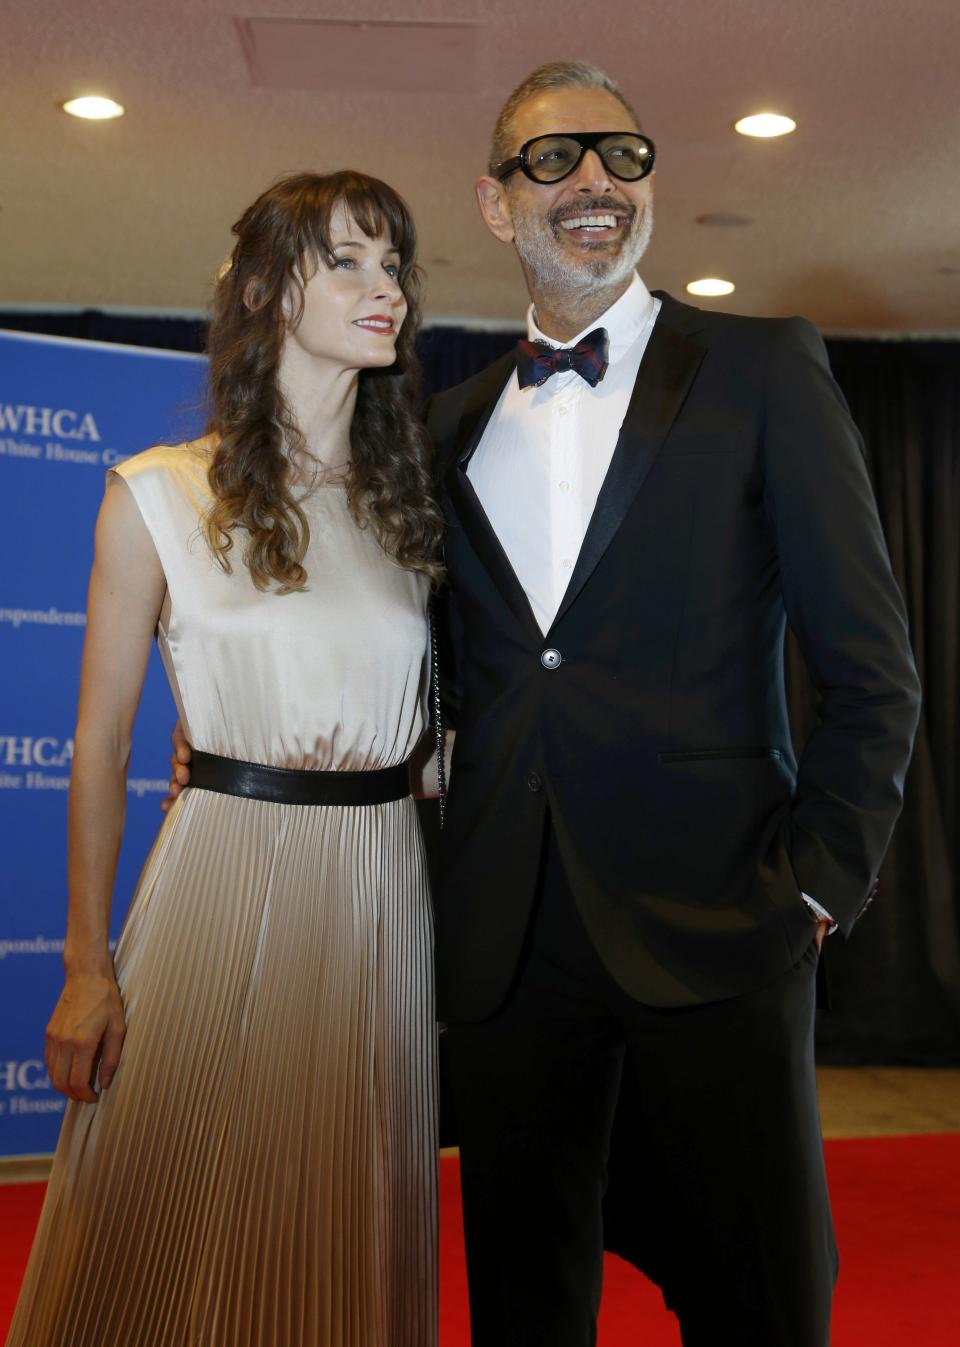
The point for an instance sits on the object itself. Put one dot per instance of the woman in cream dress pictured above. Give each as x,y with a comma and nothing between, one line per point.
250,1157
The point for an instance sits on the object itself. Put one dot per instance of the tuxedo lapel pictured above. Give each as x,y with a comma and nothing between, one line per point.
667,371
476,413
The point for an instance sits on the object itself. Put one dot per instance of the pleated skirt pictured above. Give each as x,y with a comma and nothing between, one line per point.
262,1171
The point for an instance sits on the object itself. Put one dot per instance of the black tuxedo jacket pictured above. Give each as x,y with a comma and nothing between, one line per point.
737,500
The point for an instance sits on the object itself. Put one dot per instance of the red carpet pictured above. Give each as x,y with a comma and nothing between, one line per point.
896,1204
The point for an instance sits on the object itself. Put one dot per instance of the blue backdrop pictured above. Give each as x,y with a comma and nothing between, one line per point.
68,411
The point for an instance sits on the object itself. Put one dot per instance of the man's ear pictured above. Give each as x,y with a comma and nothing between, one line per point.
495,208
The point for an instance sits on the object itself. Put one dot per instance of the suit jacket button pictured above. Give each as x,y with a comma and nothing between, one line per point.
534,782
551,659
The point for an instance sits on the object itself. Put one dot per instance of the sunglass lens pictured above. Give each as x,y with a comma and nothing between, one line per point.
626,157
552,157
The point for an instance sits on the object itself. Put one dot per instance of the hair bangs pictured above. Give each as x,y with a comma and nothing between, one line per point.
373,206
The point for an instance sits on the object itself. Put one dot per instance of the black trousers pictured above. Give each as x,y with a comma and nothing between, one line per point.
718,1188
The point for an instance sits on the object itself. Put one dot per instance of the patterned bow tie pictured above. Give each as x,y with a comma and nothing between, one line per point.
537,360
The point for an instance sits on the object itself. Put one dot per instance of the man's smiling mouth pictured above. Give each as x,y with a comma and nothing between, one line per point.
597,221
591,222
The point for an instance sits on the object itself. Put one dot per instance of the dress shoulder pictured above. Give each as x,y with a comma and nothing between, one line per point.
169,485
162,462
180,468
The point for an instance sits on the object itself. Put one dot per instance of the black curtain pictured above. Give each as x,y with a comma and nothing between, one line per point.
896,984
165,334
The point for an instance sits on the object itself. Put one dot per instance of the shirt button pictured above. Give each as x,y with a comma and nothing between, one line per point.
551,659
534,782
562,409
567,564
564,486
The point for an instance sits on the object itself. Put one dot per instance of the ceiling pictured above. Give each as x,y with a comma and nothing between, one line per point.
855,217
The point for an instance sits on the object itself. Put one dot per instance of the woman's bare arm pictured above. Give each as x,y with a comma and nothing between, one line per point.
126,593
423,765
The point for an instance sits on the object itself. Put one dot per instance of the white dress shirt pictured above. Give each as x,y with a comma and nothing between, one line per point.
554,444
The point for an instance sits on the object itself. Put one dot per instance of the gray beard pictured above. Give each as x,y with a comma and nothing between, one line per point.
554,274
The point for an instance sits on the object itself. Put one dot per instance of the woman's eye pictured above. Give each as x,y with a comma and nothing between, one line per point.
392,270
344,262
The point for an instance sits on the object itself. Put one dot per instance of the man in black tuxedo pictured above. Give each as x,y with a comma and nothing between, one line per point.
636,873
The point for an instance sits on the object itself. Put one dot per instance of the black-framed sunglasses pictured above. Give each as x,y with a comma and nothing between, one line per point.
626,155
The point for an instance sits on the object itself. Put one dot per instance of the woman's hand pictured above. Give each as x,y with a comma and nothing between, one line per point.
87,1027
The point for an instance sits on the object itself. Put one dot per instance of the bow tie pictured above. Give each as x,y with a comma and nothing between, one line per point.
538,360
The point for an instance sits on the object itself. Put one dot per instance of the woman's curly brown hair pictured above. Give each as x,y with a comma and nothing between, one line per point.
281,238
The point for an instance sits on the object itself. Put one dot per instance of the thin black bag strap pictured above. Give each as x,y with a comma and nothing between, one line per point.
438,727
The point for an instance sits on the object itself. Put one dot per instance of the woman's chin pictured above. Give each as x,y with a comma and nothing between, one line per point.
381,359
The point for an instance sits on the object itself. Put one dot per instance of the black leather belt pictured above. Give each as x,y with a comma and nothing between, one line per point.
283,785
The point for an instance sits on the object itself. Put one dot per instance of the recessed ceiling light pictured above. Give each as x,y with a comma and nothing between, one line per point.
711,286
93,108
765,124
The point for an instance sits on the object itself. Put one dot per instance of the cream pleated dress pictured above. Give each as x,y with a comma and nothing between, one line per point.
262,1171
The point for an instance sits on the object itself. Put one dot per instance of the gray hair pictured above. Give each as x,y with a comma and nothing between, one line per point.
554,75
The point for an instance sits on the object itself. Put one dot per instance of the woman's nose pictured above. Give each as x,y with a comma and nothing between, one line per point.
387,287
